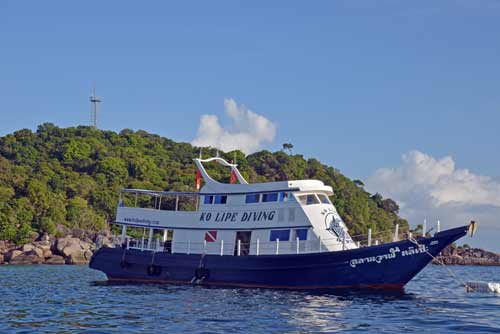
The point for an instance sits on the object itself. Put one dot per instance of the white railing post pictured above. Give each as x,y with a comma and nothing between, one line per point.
369,237
376,242
258,245
239,247
438,227
396,233
221,247
298,245
150,239
128,243
124,234
204,246
142,243
177,203
277,246
157,244
424,228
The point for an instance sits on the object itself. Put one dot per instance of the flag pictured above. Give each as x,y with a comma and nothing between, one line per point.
233,177
198,180
211,236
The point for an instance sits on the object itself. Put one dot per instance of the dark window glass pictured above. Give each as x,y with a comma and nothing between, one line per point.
252,198
301,233
208,200
282,235
324,199
270,197
220,199
312,199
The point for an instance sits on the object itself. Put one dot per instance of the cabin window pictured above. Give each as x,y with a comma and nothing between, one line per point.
208,199
308,199
301,233
270,197
282,235
283,197
220,199
252,198
324,199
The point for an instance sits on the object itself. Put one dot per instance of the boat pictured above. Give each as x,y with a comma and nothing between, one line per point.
284,235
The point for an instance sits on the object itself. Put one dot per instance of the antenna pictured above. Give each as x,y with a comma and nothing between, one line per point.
94,100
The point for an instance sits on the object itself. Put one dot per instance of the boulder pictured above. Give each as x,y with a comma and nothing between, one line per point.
55,259
27,258
9,256
27,248
47,253
38,252
74,250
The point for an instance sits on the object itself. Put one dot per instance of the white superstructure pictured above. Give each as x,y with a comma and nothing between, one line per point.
285,217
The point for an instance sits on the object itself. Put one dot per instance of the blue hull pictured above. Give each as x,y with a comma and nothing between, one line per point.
387,266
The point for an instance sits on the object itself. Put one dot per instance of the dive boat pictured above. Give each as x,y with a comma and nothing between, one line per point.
284,234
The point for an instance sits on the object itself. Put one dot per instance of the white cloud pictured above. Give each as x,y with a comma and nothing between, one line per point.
248,131
430,188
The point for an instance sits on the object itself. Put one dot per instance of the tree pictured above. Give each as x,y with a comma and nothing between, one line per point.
288,147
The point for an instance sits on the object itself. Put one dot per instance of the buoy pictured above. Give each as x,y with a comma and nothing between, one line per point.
483,287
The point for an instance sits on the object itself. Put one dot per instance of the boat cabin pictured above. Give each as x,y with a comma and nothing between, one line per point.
285,217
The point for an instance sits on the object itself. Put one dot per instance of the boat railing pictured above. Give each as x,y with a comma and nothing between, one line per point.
259,247
225,247
159,200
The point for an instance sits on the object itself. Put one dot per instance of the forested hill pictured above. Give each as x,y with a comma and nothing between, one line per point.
70,176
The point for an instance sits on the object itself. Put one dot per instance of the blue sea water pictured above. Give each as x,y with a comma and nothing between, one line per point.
76,299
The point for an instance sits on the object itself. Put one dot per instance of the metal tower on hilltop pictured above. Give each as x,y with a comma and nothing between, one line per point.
94,100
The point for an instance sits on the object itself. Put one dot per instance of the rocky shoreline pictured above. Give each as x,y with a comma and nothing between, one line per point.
77,247
467,256
74,248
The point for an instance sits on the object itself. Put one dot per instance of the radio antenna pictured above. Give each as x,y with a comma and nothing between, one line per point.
94,101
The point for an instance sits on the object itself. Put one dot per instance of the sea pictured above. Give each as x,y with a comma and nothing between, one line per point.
76,299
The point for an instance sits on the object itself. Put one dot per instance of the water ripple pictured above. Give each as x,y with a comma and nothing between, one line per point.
75,299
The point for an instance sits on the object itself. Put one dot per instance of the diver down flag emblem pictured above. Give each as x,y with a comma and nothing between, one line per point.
210,236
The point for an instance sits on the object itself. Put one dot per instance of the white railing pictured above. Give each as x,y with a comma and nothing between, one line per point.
259,247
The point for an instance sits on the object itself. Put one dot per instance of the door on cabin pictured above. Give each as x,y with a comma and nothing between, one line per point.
244,238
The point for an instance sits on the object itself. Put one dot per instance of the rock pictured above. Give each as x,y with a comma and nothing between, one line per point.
2,261
55,259
44,237
3,246
27,248
26,258
47,253
88,255
467,256
43,245
74,250
9,256
38,252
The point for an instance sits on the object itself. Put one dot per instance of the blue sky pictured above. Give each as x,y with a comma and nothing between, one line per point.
356,84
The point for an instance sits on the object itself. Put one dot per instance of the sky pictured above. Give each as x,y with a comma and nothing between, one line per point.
402,95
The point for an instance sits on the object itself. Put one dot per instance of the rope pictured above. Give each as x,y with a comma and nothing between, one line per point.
452,274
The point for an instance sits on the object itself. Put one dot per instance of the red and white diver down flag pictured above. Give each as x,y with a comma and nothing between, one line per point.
211,236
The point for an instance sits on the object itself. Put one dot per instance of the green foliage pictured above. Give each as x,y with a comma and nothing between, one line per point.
71,176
